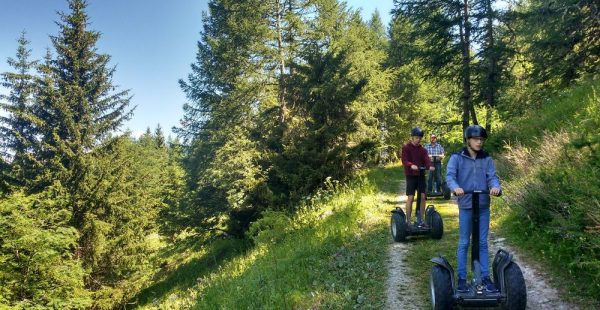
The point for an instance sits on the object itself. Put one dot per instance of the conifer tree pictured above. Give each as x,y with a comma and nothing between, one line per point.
448,36
80,109
559,38
80,106
237,77
38,270
17,128
159,137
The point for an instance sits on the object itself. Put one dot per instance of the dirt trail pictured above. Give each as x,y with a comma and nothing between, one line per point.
540,295
399,293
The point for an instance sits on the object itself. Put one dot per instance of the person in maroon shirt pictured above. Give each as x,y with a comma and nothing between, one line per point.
415,156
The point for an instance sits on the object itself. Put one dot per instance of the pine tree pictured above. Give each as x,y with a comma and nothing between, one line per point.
248,106
560,38
448,36
238,78
320,150
80,109
159,137
17,128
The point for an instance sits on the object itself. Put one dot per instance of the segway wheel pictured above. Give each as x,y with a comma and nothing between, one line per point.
437,225
446,191
397,226
441,288
428,211
516,292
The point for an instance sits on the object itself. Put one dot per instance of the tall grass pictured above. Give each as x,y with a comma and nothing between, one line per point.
552,195
330,255
564,111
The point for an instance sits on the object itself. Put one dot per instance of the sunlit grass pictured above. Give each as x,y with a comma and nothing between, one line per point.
551,188
332,256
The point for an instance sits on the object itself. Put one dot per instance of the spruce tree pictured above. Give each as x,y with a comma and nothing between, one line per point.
235,79
559,38
80,109
451,37
38,268
17,128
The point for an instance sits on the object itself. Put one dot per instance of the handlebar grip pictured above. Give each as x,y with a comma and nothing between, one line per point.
487,192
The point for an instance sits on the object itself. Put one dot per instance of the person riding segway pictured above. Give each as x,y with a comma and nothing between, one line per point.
435,186
471,175
415,162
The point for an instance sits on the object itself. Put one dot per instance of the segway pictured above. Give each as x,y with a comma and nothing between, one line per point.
445,193
400,229
511,294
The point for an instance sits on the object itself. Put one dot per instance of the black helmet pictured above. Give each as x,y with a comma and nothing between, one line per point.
475,131
416,132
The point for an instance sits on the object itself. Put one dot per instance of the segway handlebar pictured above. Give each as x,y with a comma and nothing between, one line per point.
485,192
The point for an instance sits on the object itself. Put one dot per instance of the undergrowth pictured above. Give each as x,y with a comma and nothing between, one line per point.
330,255
551,165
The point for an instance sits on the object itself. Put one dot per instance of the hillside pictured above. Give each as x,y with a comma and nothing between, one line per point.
333,254
551,166
275,188
330,255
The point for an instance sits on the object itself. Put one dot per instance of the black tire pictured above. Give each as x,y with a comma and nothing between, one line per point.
437,225
516,292
398,226
440,284
446,191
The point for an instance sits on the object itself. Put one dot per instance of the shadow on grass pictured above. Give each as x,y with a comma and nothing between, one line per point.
288,275
392,202
187,274
340,270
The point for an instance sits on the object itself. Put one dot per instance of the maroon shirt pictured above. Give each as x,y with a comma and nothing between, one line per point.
414,155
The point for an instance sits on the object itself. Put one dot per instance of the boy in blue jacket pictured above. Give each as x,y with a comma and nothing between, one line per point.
468,170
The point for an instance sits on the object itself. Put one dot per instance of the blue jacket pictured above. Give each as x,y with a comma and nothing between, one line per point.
471,174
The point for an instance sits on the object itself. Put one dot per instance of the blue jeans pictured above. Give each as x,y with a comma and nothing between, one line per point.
464,235
437,174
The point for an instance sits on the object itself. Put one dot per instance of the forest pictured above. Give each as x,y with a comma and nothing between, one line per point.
288,101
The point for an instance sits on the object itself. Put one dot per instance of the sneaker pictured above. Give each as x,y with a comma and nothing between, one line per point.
462,286
489,285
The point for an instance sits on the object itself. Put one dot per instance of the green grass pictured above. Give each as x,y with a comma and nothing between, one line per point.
331,255
572,286
561,111
423,249
552,187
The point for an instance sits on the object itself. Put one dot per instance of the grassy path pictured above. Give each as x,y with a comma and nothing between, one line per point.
408,281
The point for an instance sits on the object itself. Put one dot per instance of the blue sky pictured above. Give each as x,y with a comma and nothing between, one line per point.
152,43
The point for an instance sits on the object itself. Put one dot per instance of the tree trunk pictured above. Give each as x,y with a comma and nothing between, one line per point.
465,33
492,74
282,87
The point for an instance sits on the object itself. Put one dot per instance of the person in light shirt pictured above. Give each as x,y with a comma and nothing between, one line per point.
436,154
